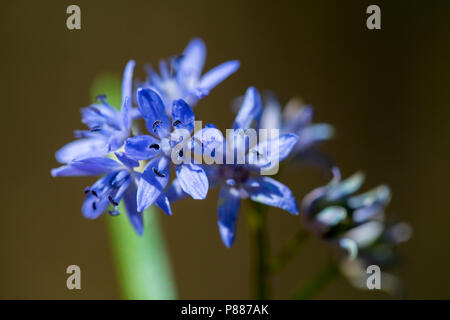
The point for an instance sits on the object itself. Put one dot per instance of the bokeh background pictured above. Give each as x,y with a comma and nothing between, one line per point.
386,92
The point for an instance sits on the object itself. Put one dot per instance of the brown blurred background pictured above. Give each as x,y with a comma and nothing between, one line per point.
386,92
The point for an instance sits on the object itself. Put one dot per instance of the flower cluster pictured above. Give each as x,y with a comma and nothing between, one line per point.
357,226
136,168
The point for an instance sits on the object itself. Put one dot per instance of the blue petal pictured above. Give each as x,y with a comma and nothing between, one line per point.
152,182
345,188
285,144
250,109
127,160
332,215
126,114
182,115
271,152
271,114
227,211
350,246
101,115
91,211
174,192
314,134
154,112
193,180
142,147
68,171
87,167
216,75
191,64
208,143
135,217
271,192
127,94
127,82
302,118
366,213
93,207
164,204
381,195
81,148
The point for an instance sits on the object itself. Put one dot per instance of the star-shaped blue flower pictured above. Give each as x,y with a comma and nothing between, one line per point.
298,118
161,146
108,128
240,181
119,181
183,78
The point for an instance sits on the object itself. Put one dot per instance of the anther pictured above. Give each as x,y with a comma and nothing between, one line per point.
94,193
112,201
198,141
114,213
176,123
95,129
94,205
154,146
100,97
156,124
159,174
87,190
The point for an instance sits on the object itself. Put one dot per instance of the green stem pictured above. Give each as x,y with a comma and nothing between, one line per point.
320,281
260,251
143,265
288,251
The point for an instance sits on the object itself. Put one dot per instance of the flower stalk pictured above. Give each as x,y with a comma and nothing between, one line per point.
288,252
260,251
318,283
143,265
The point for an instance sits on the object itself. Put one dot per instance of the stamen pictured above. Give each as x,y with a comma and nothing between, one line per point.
159,174
95,129
256,152
112,201
94,109
154,146
176,123
156,124
198,141
94,193
101,97
114,213
181,153
94,205
87,190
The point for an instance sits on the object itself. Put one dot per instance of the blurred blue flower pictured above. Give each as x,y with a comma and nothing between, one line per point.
108,128
161,146
183,79
298,119
357,225
119,182
240,181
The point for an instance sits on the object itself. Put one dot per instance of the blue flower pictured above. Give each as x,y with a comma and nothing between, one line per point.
183,78
119,181
297,118
239,181
352,222
162,146
108,128
356,224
